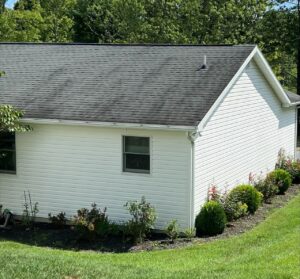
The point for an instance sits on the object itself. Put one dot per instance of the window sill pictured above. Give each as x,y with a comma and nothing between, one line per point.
8,172
136,173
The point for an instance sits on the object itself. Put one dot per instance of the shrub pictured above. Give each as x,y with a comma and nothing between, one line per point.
289,165
190,233
246,194
58,220
142,221
172,230
281,178
92,223
211,220
267,188
234,209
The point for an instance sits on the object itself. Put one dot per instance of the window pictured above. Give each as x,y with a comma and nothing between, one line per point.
7,152
136,154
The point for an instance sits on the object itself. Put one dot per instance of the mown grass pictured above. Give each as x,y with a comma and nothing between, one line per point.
271,250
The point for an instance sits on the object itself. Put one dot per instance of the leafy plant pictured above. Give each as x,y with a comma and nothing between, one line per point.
172,230
211,220
91,223
58,220
213,194
190,233
234,209
10,120
267,188
281,178
142,221
30,210
245,194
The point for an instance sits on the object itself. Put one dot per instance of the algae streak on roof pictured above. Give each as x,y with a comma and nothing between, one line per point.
146,84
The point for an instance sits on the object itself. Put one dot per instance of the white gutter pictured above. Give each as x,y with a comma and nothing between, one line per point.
107,124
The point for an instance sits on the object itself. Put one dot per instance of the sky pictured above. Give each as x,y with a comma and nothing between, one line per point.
10,3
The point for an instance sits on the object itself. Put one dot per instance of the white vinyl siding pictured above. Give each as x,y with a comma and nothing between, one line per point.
243,135
69,167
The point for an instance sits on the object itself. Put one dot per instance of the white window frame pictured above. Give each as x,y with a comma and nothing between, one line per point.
136,171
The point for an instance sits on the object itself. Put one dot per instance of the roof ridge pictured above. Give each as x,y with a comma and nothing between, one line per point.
123,44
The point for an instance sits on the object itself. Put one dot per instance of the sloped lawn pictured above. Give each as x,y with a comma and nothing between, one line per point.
270,250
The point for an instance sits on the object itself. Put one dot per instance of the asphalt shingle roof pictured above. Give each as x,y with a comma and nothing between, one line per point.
146,84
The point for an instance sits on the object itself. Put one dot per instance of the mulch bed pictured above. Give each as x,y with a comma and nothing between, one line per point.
46,235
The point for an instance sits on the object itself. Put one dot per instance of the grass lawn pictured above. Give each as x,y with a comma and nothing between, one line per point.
271,250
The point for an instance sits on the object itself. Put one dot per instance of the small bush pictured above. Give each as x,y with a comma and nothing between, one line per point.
172,230
190,233
281,178
142,221
267,188
246,194
58,220
92,223
211,220
234,209
288,164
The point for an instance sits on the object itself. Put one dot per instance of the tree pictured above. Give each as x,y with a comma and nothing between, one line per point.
58,20
10,120
279,40
2,6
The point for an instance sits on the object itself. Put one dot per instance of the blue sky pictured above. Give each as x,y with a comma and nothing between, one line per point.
10,3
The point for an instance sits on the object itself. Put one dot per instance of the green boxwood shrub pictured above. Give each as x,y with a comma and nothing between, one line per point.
281,178
211,220
246,194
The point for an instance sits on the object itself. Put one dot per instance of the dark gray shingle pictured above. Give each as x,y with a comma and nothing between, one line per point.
117,83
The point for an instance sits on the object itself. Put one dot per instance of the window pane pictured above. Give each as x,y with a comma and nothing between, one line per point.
137,145
137,162
7,160
7,141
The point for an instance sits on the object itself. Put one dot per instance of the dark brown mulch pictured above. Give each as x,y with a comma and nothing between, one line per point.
46,235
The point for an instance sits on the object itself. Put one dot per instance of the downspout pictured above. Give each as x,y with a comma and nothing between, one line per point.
192,136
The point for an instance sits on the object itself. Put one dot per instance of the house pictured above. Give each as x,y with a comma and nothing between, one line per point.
112,123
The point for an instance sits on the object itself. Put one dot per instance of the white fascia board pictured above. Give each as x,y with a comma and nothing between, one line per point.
268,73
108,124
270,76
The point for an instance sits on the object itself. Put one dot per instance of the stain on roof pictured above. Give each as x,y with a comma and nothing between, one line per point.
145,84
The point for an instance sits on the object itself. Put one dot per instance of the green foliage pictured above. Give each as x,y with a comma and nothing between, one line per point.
142,221
30,210
281,178
190,233
58,220
211,220
289,165
10,119
234,209
267,188
91,223
172,230
246,194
